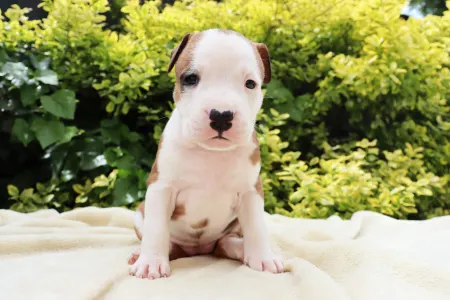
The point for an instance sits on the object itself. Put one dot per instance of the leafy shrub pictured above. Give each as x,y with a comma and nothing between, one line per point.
343,182
345,73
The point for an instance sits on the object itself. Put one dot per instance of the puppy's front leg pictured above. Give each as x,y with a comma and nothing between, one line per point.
257,252
153,261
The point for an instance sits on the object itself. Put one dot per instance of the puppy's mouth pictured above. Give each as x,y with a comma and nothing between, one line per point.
220,137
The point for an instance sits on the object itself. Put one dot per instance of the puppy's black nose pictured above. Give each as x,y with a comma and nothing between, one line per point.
220,121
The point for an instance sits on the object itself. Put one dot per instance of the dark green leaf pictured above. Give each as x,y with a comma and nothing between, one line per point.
28,94
281,94
110,130
17,73
125,191
22,131
63,197
48,77
3,56
40,64
18,206
69,133
134,137
126,162
70,168
112,155
57,157
41,188
90,162
48,131
61,104
30,207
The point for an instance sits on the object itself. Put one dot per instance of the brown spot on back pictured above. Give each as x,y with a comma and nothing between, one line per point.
259,187
255,157
178,212
201,224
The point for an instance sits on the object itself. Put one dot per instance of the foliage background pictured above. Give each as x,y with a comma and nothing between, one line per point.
357,116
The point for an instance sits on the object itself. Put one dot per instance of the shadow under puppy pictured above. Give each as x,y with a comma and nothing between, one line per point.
204,192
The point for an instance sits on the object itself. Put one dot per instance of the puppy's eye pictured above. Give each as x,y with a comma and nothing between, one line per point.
190,80
250,84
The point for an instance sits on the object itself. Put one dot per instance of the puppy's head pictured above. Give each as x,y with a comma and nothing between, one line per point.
218,94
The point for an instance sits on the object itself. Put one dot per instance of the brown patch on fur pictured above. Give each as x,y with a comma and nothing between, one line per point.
197,235
153,176
259,187
176,52
176,252
182,58
264,61
233,227
201,224
178,212
255,157
220,251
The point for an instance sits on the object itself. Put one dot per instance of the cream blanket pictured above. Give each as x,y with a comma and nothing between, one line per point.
82,255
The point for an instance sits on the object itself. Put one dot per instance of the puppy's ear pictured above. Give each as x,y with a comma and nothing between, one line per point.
265,57
177,51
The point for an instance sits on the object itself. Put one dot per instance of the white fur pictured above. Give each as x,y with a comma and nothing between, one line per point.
213,179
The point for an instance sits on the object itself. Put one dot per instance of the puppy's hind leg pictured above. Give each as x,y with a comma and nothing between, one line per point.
230,246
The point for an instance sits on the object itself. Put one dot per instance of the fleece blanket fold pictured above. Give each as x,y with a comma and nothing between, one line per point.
82,254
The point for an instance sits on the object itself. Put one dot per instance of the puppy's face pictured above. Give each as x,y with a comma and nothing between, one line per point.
218,94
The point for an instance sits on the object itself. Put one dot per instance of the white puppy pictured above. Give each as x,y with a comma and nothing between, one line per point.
204,192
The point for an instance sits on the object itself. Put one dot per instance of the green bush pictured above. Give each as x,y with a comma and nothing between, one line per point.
357,116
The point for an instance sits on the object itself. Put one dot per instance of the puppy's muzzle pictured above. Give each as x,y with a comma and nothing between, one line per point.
221,121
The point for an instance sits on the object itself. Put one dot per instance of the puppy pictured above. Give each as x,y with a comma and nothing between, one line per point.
204,192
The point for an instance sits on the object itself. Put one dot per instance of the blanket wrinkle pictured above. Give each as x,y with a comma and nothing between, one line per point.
82,254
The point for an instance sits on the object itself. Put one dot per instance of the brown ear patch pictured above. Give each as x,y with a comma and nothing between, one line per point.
182,60
200,224
178,212
264,63
177,52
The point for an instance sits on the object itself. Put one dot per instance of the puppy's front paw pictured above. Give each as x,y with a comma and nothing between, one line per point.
265,262
151,267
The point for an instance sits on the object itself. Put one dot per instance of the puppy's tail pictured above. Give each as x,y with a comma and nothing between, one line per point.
139,220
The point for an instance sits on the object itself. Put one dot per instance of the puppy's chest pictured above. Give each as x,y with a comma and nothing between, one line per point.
206,198
207,206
